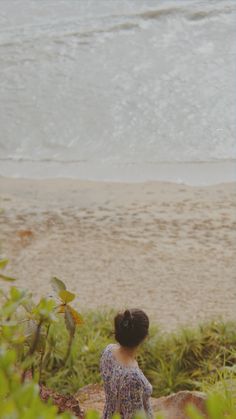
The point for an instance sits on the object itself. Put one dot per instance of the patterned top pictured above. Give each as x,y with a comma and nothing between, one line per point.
126,388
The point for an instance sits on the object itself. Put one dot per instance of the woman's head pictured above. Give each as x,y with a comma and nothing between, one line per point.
131,327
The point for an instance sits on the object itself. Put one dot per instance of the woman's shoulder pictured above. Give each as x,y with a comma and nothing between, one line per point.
107,352
109,348
106,360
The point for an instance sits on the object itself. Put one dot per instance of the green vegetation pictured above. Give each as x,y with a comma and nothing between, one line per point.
61,350
24,335
187,360
219,406
190,358
21,400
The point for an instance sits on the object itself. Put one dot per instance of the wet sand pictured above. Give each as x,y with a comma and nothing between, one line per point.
167,248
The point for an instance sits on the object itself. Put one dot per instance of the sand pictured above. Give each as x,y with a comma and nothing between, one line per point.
166,248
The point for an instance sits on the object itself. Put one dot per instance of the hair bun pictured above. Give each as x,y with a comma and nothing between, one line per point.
127,319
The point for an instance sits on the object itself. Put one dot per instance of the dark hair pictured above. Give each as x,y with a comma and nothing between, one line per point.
131,327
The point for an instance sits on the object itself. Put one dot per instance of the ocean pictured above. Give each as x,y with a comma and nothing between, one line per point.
118,90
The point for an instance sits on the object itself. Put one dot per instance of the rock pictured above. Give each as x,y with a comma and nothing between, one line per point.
92,397
174,406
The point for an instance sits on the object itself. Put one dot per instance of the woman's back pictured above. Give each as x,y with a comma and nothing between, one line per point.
126,388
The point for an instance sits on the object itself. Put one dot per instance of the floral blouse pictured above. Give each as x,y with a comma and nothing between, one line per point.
126,388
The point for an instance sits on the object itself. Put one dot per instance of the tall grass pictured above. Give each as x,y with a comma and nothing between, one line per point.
187,359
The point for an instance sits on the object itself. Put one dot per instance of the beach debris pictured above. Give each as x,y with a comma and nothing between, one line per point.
63,403
25,236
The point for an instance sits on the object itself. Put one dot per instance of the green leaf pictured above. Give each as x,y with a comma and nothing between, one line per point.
7,358
3,263
17,294
216,406
45,310
4,385
193,412
7,278
92,414
66,296
57,284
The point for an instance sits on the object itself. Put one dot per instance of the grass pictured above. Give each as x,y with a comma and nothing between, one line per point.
188,359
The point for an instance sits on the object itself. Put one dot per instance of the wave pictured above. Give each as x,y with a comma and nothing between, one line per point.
43,160
116,28
74,161
198,15
60,30
159,13
211,13
84,36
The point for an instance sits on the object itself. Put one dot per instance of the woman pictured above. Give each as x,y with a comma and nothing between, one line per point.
126,388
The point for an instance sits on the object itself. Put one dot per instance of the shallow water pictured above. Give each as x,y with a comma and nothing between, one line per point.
114,90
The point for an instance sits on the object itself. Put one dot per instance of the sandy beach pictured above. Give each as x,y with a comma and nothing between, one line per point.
167,248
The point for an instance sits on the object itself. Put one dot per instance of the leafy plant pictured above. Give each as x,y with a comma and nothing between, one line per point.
21,401
71,316
24,331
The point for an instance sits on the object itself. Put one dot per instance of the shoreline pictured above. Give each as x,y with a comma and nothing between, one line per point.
187,173
167,248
